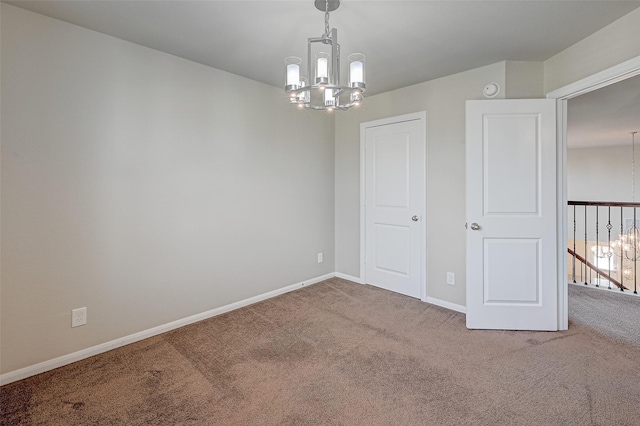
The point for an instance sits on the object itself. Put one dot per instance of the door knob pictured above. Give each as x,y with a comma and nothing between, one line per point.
415,218
475,226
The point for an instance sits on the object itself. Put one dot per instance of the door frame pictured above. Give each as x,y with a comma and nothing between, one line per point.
562,95
421,115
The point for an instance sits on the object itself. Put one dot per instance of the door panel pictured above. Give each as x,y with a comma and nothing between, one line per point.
519,253
511,197
391,170
394,194
514,138
394,255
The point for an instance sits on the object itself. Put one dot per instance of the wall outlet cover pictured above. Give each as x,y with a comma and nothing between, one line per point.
78,317
451,278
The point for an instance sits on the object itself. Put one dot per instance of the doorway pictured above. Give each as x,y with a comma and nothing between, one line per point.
602,79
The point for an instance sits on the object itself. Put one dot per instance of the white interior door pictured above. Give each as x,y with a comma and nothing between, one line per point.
511,214
395,192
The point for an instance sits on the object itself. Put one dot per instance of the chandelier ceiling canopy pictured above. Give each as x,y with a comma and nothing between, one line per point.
321,88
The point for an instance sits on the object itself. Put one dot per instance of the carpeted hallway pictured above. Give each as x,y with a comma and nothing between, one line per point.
341,353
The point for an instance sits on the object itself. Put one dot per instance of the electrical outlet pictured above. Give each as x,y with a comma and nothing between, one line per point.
451,278
320,259
78,317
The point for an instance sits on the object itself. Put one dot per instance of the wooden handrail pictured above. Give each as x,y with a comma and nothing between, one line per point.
602,203
598,270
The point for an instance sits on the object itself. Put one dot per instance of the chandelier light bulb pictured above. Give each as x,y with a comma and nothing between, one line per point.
303,96
322,68
356,70
329,100
293,73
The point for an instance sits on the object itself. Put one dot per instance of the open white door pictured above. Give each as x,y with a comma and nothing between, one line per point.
511,214
394,153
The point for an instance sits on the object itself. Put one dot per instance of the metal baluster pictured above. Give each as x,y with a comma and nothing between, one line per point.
621,251
585,245
609,251
574,243
597,249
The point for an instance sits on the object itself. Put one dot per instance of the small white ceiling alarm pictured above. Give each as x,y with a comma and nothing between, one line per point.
491,90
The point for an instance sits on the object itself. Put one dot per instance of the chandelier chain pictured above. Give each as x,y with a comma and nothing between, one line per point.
326,17
633,166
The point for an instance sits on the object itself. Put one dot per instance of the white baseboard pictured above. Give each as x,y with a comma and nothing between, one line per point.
605,288
432,300
41,367
448,305
349,277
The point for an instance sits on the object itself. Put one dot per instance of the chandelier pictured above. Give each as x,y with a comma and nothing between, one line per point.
322,89
627,244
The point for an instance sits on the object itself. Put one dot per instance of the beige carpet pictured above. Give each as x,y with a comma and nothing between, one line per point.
609,312
340,353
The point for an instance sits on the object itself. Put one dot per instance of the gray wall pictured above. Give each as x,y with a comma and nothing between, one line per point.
615,43
145,187
444,101
524,80
602,174
150,188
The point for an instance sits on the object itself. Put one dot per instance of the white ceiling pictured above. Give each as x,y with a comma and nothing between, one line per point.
605,117
406,42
